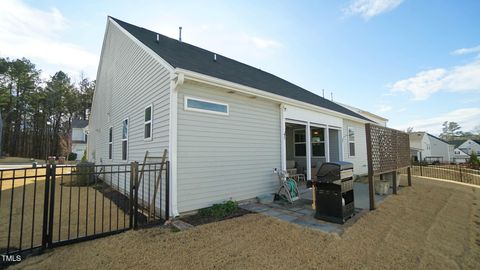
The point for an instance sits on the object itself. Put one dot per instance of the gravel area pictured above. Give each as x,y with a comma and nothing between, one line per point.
432,225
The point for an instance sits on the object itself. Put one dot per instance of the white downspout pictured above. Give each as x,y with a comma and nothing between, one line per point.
175,82
326,135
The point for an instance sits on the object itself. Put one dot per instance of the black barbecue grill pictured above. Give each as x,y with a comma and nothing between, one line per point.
334,192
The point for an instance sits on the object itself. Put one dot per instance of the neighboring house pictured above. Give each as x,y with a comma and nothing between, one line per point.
79,137
374,117
429,148
470,146
459,156
227,126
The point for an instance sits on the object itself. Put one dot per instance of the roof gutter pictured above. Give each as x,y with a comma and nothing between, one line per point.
202,78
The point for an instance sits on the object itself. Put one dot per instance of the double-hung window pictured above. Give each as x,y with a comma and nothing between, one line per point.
125,139
351,141
110,143
300,143
148,123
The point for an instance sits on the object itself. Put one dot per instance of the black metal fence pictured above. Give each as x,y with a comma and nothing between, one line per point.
59,204
456,173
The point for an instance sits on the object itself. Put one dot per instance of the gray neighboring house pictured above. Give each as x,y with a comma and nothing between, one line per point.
227,126
429,148
79,137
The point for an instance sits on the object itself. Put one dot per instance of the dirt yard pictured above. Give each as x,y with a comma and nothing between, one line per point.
71,200
432,225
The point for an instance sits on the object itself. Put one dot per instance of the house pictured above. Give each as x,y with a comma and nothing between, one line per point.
470,146
79,137
228,127
459,156
429,148
379,120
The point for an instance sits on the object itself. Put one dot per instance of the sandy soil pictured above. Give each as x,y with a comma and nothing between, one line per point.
68,200
432,225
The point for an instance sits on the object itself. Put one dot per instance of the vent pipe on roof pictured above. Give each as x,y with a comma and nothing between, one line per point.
180,34
215,57
323,93
331,96
158,38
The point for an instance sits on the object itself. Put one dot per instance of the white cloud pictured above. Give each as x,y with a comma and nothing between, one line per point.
263,43
467,118
456,79
371,8
467,50
36,34
382,108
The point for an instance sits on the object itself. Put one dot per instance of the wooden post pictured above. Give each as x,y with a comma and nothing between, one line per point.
394,180
421,170
157,183
409,176
371,187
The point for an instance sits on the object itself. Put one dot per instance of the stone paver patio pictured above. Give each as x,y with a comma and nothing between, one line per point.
301,212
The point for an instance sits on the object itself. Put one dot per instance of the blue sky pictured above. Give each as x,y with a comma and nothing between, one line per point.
416,63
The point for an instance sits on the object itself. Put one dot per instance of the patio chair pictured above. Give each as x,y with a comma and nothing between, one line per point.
288,187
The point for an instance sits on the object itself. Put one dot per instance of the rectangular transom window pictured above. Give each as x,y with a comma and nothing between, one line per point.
125,139
351,141
208,106
110,143
148,123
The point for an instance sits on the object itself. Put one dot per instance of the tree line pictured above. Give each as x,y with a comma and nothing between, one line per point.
37,114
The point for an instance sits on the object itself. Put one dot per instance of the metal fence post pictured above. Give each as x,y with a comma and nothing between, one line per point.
45,206
421,170
461,177
135,200
131,197
409,176
167,192
394,180
51,204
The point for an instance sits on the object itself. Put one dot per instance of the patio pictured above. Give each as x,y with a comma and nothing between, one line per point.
301,212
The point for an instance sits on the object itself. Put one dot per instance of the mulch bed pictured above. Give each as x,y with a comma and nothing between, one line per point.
198,219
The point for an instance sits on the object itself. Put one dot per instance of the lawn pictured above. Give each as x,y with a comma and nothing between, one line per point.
18,160
432,225
71,204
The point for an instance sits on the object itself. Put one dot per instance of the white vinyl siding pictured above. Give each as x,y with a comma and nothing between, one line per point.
360,162
129,79
226,157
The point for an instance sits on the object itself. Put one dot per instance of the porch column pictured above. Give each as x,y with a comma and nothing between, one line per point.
283,151
326,136
308,145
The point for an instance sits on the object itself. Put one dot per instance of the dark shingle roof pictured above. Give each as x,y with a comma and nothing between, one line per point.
189,57
442,140
78,123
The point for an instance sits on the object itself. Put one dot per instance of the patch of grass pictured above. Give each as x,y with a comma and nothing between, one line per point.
219,210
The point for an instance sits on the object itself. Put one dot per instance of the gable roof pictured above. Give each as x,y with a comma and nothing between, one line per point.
79,123
183,55
442,140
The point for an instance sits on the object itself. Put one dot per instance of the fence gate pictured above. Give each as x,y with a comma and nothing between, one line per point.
60,204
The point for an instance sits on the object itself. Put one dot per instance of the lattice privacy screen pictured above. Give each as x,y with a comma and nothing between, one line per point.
388,149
